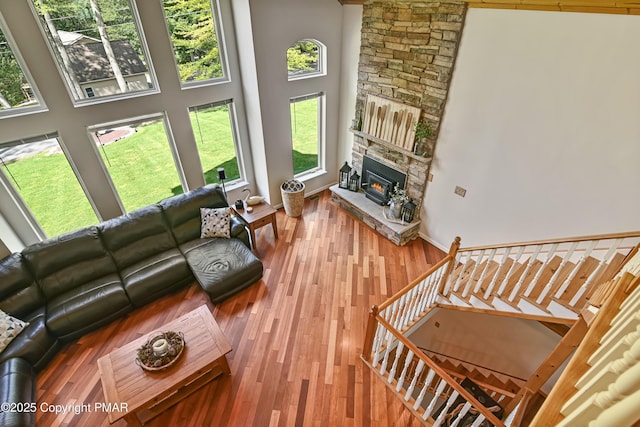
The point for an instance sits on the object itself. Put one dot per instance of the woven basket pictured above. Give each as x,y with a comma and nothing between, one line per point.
292,197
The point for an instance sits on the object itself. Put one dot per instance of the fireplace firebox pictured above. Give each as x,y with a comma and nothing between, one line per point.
379,180
378,188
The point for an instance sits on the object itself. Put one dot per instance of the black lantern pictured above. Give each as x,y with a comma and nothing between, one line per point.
408,211
354,182
343,181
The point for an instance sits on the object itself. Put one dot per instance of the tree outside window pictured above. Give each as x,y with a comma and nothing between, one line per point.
196,46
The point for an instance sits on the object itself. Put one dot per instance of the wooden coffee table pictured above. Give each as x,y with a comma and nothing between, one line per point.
138,395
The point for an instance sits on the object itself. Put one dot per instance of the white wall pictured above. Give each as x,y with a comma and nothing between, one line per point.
541,127
276,25
351,39
509,345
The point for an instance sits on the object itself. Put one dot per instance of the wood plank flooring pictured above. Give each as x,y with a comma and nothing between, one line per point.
296,335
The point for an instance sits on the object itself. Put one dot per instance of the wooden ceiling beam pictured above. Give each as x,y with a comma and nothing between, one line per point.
591,6
360,2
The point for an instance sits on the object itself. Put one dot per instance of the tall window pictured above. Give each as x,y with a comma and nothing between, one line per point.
305,58
139,158
307,113
214,128
197,46
17,91
38,171
97,45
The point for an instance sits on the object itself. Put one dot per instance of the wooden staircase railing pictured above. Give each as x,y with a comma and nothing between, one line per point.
543,280
552,278
418,381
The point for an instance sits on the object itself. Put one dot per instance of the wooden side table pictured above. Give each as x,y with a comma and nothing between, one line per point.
261,215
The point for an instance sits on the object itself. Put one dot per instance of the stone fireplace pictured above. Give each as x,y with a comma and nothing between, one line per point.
407,55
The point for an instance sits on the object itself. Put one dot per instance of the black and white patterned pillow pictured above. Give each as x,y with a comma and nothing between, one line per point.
10,327
215,222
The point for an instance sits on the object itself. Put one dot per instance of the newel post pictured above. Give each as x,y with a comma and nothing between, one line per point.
453,252
370,333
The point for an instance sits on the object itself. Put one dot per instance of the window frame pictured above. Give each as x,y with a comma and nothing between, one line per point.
322,118
93,129
235,135
107,98
26,212
31,109
222,51
322,62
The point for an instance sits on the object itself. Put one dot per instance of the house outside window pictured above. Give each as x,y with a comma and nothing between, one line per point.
97,44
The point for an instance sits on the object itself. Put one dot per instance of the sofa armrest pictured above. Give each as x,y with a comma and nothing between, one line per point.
17,385
239,229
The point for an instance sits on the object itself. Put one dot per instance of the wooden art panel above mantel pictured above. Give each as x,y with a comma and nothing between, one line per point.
390,121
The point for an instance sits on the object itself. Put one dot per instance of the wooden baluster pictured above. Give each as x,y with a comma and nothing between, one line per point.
607,353
583,258
532,260
478,421
456,287
394,366
414,379
506,279
604,261
594,381
490,258
423,390
377,344
385,359
503,262
461,414
622,413
549,257
444,411
434,399
467,287
555,276
592,405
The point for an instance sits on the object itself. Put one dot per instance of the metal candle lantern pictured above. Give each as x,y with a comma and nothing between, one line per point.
408,211
343,181
354,182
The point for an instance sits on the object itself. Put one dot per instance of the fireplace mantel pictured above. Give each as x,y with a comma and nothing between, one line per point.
372,214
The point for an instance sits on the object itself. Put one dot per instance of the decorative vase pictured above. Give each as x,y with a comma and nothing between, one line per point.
394,209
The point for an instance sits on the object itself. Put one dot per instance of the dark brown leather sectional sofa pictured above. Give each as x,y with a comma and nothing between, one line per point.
77,282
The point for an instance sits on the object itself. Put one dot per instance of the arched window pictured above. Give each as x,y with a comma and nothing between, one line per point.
306,58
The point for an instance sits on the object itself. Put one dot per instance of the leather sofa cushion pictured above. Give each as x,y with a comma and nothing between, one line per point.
87,307
222,266
156,275
182,212
35,343
63,263
17,384
19,293
137,236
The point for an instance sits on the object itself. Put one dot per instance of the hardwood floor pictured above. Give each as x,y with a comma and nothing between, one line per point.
296,335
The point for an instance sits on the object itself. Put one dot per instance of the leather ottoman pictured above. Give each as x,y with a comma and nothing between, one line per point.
222,267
